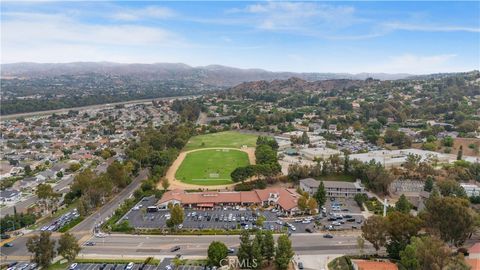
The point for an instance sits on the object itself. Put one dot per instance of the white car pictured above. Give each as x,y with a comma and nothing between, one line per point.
293,228
129,266
73,266
306,221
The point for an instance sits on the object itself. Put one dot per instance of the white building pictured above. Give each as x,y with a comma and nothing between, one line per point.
318,152
396,158
471,189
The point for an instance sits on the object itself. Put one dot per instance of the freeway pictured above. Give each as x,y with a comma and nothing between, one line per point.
92,107
85,228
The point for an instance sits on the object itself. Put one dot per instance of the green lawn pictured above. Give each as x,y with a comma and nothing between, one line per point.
210,167
221,139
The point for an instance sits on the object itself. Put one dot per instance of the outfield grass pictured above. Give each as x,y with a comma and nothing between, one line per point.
221,139
198,167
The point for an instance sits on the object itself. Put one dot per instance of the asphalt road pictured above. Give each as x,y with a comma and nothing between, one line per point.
87,225
84,229
142,245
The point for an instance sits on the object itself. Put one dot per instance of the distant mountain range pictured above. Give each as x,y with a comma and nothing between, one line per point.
214,75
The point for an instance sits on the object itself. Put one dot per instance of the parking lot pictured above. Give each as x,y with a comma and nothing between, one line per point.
338,214
166,264
61,221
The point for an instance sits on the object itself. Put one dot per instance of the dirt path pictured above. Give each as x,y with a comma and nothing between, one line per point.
177,184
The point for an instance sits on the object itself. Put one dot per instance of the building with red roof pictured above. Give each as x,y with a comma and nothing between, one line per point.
373,265
281,198
473,259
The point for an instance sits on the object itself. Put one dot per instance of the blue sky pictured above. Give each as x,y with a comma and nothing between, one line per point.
390,37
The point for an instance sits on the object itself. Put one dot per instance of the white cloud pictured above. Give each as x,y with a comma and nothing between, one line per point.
431,28
297,15
40,37
151,12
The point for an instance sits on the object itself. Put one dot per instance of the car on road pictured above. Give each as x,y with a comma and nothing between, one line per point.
175,248
129,266
300,265
327,236
231,250
8,245
73,266
90,244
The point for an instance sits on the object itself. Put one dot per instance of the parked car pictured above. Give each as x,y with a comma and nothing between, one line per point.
129,266
300,265
8,245
73,266
327,236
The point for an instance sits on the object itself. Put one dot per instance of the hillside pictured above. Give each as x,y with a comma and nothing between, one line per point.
215,75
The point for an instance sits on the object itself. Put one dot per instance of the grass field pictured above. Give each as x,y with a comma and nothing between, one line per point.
221,139
210,167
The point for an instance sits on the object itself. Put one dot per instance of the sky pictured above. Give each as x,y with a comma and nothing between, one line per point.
354,37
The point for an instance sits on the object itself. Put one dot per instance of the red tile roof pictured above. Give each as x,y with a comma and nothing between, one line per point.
474,263
474,249
372,265
287,198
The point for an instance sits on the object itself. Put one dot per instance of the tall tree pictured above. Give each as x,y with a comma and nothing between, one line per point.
450,218
43,248
217,251
401,228
165,184
312,206
284,252
256,252
321,195
426,253
46,195
268,250
428,184
374,231
403,205
68,246
302,203
176,215
245,249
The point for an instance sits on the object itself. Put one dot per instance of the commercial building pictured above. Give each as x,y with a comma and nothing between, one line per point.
283,199
318,152
336,189
396,158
